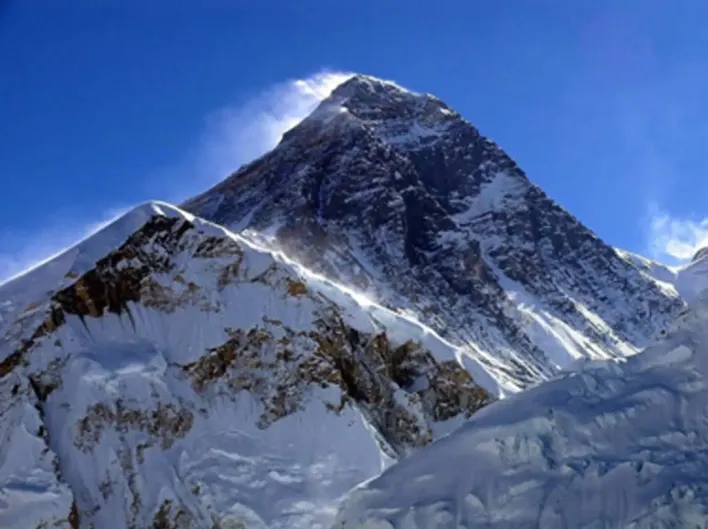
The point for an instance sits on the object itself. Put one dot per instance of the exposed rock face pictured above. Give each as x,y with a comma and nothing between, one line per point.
397,194
131,374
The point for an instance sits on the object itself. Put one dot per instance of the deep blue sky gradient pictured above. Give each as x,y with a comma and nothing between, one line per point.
603,103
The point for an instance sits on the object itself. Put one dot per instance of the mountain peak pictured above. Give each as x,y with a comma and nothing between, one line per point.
380,179
362,83
393,113
366,91
384,108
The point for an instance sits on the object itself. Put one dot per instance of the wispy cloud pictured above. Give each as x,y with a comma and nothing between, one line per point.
675,239
230,137
237,134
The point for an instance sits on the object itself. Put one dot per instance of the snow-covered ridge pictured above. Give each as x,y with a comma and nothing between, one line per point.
192,379
34,285
619,444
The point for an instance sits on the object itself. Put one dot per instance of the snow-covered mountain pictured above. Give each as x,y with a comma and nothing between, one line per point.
189,379
395,193
171,372
615,445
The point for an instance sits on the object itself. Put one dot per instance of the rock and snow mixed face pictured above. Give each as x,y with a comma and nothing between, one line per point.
618,444
396,193
190,379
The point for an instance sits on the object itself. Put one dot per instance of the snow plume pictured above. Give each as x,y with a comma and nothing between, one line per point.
22,251
676,238
237,134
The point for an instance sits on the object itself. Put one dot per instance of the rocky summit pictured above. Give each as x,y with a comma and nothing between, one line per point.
395,193
326,312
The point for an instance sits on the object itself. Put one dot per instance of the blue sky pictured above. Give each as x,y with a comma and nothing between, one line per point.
106,104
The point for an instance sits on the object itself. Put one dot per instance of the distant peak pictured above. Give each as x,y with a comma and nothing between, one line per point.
700,254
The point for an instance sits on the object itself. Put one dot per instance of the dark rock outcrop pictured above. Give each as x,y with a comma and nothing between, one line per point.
395,193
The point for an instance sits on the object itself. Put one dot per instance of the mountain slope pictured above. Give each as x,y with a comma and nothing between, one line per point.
395,193
190,379
614,445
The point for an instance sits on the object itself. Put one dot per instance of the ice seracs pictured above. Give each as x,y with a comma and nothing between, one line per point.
616,445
